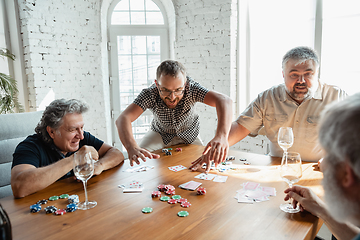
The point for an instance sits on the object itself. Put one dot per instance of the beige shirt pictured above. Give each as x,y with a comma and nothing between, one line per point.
274,108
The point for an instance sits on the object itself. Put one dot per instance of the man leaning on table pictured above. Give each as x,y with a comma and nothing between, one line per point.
339,137
172,101
296,103
43,158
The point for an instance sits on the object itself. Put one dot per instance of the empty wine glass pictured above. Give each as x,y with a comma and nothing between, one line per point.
285,138
83,170
291,173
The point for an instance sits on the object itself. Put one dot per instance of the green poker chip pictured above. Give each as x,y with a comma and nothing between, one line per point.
164,198
63,196
177,197
169,148
183,214
147,210
53,198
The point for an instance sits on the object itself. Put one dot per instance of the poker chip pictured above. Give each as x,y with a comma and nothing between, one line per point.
72,207
35,208
169,149
164,150
183,214
177,197
178,149
155,194
50,209
185,204
181,200
242,159
54,198
172,201
247,163
230,158
44,201
64,196
165,198
170,192
161,187
147,210
169,187
60,212
168,153
73,199
201,191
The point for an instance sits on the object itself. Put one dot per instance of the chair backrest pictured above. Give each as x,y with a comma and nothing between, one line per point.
14,128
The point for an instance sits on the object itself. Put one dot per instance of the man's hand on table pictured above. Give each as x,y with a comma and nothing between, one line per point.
136,152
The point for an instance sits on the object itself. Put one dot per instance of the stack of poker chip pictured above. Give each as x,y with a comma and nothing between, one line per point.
35,208
155,194
201,191
72,207
178,149
50,209
73,199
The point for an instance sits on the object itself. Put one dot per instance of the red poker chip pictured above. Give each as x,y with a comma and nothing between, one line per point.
161,187
181,200
185,204
201,191
156,194
172,201
169,187
170,192
60,212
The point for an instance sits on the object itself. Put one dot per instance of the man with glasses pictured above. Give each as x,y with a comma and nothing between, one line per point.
296,103
172,100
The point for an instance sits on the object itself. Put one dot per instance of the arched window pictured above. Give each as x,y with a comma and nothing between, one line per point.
138,33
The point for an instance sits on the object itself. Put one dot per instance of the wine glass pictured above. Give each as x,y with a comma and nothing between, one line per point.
285,138
291,173
83,170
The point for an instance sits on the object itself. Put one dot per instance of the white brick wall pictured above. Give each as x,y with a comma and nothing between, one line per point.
62,53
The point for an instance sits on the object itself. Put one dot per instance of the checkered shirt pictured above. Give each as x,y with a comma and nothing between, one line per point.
182,121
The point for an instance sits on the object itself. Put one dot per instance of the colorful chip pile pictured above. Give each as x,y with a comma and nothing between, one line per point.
54,198
201,191
50,209
183,214
35,208
155,194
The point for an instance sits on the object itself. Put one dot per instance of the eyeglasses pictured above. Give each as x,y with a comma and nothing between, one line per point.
167,93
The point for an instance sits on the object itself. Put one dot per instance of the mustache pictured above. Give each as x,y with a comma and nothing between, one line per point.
300,85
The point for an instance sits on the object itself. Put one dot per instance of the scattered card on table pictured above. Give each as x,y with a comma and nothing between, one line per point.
191,185
177,168
132,187
219,178
251,185
204,176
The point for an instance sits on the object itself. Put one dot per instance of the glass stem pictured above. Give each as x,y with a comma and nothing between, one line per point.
290,186
86,197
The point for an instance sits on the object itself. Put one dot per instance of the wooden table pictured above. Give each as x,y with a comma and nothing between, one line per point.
216,215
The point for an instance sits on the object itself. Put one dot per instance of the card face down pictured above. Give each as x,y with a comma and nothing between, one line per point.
191,185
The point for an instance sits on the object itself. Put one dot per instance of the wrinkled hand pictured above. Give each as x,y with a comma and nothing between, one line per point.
307,200
216,150
137,152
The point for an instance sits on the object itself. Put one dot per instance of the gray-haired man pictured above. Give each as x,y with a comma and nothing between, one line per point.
43,158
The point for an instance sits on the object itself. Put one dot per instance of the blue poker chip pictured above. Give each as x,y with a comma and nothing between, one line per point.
72,207
35,208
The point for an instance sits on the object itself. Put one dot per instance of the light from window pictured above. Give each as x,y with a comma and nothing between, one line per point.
137,12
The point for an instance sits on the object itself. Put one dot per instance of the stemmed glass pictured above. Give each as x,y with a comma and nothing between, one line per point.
291,173
285,138
83,170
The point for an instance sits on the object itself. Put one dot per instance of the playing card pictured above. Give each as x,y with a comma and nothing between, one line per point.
219,178
270,191
177,168
133,186
204,176
191,185
251,185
